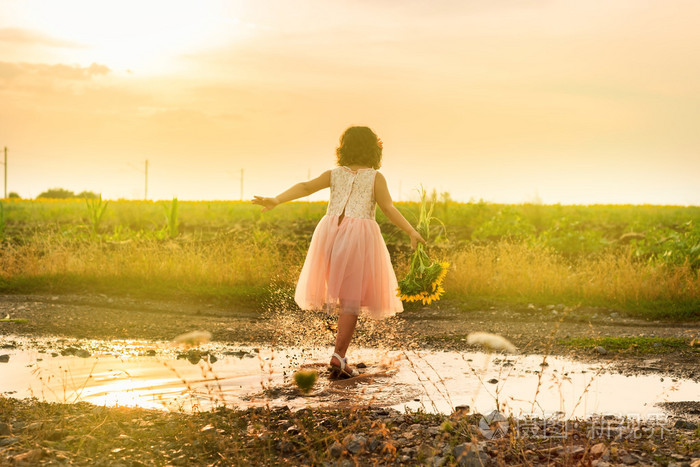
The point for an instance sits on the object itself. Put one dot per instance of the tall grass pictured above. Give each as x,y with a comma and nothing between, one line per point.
96,210
519,253
503,271
525,274
171,218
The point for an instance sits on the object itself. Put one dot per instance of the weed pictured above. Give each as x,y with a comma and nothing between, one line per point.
96,210
171,218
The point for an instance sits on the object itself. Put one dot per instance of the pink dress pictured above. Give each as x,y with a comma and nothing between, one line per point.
347,268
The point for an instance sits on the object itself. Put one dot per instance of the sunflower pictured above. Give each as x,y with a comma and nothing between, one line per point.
423,283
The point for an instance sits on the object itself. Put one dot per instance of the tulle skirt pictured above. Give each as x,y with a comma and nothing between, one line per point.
348,270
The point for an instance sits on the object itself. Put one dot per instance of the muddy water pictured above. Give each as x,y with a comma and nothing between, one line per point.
149,374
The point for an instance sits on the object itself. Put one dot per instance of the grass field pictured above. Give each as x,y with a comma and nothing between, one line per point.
642,260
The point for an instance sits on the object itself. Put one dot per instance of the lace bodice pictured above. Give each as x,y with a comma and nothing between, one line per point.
352,191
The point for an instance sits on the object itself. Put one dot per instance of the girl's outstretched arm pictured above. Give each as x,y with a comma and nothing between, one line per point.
383,198
297,191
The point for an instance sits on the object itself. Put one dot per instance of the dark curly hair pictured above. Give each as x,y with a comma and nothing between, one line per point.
360,146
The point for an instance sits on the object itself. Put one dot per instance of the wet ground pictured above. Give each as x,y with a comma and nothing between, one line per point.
117,351
162,375
440,327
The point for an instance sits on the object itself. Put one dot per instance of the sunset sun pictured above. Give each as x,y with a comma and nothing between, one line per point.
139,35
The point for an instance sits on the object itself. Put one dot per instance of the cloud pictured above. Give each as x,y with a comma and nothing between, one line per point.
29,37
14,71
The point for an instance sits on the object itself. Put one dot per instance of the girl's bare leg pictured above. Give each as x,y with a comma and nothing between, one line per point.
346,328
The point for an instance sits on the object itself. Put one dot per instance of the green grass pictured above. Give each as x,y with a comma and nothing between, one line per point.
12,320
643,345
230,251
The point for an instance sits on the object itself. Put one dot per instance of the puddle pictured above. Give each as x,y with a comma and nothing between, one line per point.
149,374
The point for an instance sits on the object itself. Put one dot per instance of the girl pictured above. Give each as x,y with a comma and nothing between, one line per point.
347,269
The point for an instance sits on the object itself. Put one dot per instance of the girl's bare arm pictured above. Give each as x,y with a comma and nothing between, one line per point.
297,191
386,204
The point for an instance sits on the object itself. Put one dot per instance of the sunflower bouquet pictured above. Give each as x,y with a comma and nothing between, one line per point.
423,283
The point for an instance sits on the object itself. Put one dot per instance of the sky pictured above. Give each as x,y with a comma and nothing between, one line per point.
508,101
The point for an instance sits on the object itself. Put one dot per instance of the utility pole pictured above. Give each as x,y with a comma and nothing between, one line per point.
308,177
145,190
5,165
241,184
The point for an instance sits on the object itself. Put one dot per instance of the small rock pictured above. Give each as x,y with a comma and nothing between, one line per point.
627,459
601,350
193,356
597,450
492,381
460,411
470,455
570,451
426,451
75,352
373,444
614,315
36,426
408,451
5,429
685,425
8,441
360,365
29,457
285,447
4,358
336,449
531,306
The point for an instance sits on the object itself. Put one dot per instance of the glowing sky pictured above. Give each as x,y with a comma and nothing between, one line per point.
507,101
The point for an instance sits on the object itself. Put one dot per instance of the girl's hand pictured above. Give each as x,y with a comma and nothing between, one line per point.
415,238
266,203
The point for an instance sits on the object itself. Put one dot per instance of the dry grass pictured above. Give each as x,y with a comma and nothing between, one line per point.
225,246
504,271
527,273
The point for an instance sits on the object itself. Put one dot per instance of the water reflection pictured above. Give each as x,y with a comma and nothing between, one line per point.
147,374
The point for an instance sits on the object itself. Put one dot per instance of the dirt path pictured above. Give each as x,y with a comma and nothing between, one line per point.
444,326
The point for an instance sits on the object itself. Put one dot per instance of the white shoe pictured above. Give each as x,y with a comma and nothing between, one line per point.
342,371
